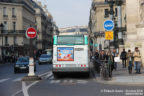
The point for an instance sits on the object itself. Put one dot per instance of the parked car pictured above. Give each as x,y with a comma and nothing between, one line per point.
22,64
44,58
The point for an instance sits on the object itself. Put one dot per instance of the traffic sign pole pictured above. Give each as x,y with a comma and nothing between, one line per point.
30,34
31,60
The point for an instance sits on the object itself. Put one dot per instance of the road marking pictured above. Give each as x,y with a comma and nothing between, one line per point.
17,79
71,81
51,78
24,89
54,81
3,80
16,93
82,81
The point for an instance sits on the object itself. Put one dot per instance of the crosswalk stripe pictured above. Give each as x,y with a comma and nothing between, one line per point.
54,81
82,81
3,80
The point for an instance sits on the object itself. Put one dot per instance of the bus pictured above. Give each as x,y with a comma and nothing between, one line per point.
70,55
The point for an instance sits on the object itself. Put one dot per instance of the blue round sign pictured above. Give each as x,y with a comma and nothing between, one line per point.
108,25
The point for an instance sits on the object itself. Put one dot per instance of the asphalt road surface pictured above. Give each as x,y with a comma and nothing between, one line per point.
11,85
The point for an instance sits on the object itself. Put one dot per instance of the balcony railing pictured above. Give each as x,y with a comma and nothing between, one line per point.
8,32
13,16
6,16
7,44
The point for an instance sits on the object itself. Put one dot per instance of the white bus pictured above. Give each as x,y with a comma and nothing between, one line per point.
70,54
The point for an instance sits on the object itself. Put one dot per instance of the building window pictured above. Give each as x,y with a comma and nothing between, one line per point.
6,40
4,11
14,26
116,11
5,25
106,13
13,12
15,40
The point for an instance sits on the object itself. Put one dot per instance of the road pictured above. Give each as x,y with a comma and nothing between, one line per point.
11,85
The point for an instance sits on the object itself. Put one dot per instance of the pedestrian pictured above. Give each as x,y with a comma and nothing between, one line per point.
114,54
109,62
137,60
96,55
102,56
123,58
96,61
130,61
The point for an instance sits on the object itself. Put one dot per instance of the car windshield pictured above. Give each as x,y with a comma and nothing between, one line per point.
23,59
44,56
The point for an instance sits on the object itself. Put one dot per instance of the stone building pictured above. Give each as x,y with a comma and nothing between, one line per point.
44,21
135,25
16,16
99,13
75,30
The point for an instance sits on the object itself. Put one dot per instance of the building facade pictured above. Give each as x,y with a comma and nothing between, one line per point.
135,26
44,21
99,13
16,16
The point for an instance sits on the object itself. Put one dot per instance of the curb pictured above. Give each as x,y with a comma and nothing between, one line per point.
113,82
31,78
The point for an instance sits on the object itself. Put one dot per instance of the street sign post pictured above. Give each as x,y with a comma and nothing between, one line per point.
30,34
109,35
108,25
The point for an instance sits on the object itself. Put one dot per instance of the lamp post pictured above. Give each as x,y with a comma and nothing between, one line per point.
119,23
111,16
1,26
111,12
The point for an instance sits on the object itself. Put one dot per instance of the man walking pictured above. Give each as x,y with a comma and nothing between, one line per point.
114,54
137,60
130,61
123,57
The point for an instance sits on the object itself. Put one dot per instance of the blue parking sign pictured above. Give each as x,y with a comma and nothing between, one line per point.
108,25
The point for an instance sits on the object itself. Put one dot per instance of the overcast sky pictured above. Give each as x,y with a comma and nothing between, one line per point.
69,12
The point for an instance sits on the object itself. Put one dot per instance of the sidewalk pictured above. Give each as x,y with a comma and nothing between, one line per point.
122,77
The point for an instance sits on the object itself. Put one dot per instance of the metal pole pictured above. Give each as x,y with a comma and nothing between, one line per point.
111,16
120,35
31,59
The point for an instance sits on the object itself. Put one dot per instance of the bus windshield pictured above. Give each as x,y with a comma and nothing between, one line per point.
77,40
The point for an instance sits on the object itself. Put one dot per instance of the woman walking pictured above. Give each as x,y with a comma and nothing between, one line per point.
129,61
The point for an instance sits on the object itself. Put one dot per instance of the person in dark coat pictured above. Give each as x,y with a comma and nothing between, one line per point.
123,56
102,56
96,61
96,55
114,54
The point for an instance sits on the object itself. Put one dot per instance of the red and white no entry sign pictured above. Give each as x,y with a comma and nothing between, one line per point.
31,33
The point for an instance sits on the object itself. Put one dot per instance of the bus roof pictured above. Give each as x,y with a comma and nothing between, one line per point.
70,35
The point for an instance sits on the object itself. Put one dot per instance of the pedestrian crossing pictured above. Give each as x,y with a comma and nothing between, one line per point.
51,80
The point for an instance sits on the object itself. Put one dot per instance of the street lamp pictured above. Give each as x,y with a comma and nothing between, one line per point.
2,26
120,33
111,12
